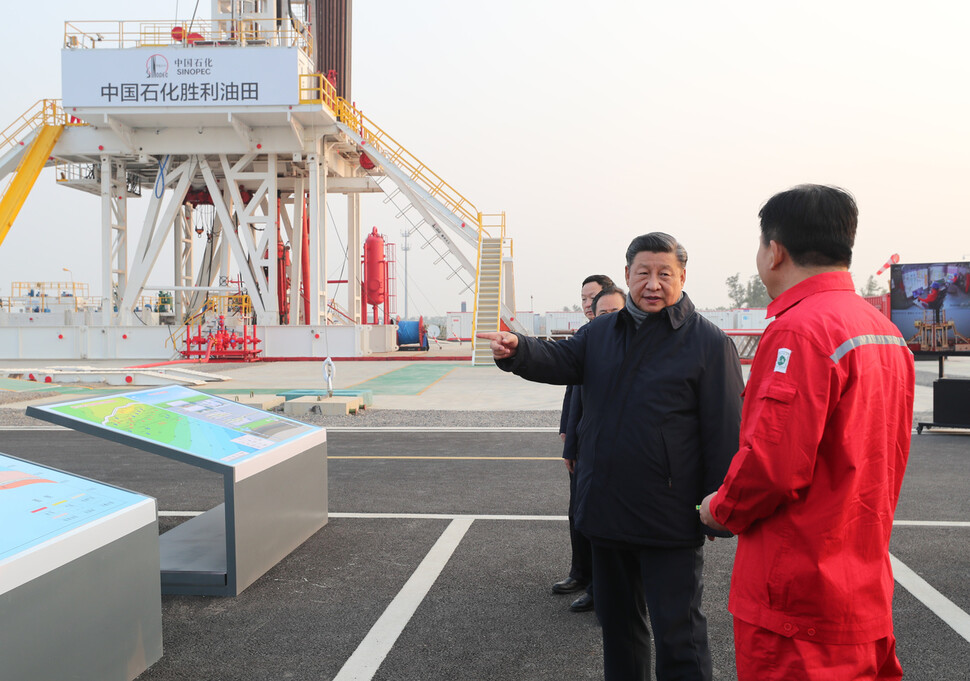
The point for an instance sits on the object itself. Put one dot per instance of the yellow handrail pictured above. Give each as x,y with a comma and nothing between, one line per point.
316,89
42,112
395,152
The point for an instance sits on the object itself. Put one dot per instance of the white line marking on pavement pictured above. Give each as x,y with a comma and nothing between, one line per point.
441,429
366,660
941,606
448,516
458,516
392,516
382,429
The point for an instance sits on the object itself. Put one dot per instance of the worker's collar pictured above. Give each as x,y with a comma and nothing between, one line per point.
677,313
826,281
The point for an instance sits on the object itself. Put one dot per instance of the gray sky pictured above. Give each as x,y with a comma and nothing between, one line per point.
590,123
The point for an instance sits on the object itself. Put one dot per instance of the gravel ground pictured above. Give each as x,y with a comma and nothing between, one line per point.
8,396
369,418
390,418
431,418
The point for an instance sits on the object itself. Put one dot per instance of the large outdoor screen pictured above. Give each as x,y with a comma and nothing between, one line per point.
930,305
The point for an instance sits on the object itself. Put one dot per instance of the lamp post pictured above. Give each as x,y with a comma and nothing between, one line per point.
73,291
406,247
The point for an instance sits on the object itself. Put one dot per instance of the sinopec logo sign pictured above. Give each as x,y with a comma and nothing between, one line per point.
156,66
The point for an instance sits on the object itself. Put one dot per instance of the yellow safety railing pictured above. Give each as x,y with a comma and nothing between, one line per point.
43,112
230,305
282,32
316,89
45,294
76,172
397,154
493,224
238,306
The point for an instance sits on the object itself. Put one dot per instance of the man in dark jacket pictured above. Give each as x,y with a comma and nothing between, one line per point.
662,407
581,563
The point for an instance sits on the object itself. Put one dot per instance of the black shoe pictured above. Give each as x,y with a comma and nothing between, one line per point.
568,586
582,604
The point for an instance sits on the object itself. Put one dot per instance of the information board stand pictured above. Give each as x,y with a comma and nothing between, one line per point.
951,403
274,473
79,589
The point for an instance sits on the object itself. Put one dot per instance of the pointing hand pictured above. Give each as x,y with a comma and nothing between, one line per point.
502,343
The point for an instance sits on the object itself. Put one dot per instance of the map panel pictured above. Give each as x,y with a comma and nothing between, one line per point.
38,504
188,421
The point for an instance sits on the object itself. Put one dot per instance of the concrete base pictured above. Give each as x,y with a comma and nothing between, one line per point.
366,396
264,402
325,406
96,617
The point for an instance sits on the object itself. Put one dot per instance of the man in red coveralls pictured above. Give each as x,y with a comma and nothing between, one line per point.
825,435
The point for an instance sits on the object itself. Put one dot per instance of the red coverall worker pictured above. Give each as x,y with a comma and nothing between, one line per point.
811,493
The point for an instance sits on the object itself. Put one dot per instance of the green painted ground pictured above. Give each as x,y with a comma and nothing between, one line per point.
408,380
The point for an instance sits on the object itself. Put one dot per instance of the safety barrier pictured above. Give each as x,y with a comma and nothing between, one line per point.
283,32
42,112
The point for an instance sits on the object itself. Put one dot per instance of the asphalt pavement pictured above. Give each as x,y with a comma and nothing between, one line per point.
480,515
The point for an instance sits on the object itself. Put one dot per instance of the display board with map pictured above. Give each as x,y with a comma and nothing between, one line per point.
79,590
274,472
181,419
38,504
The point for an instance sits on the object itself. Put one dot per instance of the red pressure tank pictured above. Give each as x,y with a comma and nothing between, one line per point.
375,270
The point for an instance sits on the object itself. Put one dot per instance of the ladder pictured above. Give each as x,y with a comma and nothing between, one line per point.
488,297
44,123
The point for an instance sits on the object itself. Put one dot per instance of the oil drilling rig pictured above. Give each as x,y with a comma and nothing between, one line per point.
239,129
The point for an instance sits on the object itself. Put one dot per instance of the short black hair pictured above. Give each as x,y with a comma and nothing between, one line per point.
656,242
815,223
600,279
607,291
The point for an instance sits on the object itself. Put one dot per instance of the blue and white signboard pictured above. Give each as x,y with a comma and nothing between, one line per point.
180,76
50,518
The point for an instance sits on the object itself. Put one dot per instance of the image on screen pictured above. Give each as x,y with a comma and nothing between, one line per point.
930,305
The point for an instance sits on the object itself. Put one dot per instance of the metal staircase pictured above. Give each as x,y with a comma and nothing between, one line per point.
433,208
43,124
488,297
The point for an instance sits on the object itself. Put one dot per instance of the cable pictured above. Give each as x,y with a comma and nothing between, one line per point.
344,263
161,176
430,304
195,11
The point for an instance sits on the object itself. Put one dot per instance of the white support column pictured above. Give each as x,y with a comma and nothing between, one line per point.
250,242
119,191
183,261
353,257
107,280
318,238
236,238
272,239
296,253
156,229
225,250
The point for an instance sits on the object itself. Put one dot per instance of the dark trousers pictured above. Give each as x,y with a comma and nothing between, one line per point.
581,568
667,584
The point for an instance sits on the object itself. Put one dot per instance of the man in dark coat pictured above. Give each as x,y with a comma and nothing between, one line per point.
662,408
581,563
